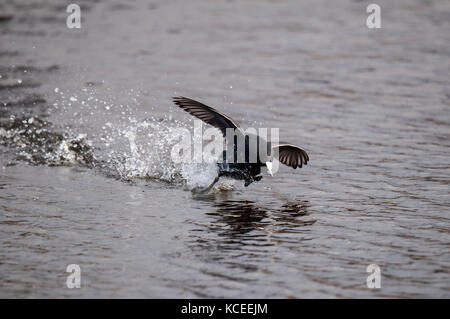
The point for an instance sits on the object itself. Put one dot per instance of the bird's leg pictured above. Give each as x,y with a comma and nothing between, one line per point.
205,189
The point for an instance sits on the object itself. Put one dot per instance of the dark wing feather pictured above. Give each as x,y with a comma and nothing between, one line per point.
292,155
205,113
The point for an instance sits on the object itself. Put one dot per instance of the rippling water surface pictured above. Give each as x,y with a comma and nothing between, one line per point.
87,124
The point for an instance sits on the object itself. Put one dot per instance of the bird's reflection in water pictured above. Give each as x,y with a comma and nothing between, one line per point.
234,217
237,223
237,238
238,216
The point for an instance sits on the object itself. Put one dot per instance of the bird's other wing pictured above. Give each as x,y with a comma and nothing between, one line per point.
206,113
291,155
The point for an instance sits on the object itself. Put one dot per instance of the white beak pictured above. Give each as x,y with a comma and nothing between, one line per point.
269,168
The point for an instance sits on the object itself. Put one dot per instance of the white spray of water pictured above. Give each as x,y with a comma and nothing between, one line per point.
128,147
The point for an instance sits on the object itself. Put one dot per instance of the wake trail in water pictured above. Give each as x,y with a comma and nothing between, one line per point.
105,135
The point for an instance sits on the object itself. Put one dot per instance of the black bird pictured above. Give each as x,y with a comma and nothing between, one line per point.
246,170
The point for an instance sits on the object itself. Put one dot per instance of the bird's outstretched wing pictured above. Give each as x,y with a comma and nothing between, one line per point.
291,155
205,113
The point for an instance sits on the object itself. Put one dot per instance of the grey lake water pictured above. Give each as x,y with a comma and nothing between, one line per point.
87,125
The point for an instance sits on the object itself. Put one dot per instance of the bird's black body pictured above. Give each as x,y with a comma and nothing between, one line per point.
249,169
241,171
249,172
242,162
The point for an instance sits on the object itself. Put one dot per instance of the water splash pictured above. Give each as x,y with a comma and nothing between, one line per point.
105,134
34,141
